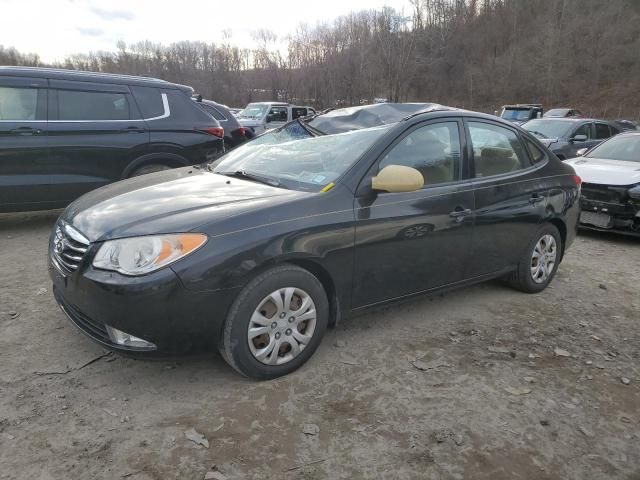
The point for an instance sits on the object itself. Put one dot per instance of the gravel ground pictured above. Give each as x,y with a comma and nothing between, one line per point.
483,383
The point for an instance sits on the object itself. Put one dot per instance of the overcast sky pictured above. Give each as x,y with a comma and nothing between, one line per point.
55,28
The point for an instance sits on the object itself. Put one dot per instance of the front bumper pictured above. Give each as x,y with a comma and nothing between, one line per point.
624,215
154,307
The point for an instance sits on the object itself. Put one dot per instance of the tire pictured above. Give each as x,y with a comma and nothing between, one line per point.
523,278
236,346
150,168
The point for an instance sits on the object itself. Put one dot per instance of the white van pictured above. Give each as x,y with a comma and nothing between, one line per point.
259,117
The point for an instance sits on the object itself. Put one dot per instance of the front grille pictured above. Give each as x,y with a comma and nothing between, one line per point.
68,247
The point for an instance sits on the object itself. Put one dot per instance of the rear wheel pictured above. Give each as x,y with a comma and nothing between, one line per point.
276,323
150,168
540,262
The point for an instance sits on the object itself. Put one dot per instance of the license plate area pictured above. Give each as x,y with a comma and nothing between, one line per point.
601,220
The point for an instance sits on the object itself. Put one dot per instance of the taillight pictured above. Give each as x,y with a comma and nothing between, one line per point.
578,180
215,131
242,131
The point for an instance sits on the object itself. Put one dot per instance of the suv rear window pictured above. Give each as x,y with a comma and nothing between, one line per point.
149,100
82,105
214,112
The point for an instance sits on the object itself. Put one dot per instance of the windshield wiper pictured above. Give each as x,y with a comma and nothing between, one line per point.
253,176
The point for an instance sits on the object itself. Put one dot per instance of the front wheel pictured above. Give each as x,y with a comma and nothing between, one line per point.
276,323
540,262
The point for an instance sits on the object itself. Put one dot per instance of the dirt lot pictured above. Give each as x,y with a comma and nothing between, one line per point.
512,386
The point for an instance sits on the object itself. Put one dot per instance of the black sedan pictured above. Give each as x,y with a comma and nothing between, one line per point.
257,253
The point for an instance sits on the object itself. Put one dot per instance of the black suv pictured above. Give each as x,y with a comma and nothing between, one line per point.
63,133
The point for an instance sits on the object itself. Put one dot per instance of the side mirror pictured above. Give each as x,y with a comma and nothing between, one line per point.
496,113
398,178
581,152
579,138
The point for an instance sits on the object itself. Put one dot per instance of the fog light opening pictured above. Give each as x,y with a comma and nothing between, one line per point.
127,340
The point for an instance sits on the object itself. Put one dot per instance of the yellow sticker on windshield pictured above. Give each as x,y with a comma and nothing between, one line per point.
328,187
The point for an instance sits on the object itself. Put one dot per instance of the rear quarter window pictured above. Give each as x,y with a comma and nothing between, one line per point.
183,108
149,100
536,153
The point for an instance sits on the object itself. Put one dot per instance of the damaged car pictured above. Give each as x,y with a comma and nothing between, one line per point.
610,196
257,253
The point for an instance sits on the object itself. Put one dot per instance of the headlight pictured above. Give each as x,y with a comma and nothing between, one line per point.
635,192
140,255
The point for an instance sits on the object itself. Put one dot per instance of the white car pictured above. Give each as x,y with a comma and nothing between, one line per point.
610,175
259,117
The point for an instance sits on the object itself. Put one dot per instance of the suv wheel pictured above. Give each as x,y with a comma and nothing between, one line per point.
276,323
540,262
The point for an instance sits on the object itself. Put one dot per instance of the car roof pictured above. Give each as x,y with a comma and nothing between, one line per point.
83,76
571,119
523,106
563,109
270,103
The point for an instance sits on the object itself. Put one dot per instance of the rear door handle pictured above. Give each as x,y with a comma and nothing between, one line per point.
460,212
535,198
132,130
25,131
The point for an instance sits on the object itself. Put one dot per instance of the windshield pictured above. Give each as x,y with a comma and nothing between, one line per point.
622,147
516,114
308,164
548,128
254,111
291,131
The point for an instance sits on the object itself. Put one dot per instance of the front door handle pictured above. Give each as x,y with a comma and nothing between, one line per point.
26,131
535,198
460,212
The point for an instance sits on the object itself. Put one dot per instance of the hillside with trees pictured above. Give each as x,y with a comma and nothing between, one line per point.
476,54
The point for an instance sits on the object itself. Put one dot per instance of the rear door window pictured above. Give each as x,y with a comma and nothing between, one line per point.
297,112
602,131
76,105
496,149
18,103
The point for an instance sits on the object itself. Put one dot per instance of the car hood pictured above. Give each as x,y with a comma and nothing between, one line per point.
176,200
606,172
